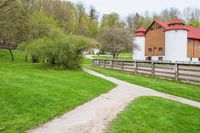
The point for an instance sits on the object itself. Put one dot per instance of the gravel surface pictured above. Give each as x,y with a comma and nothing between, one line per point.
95,115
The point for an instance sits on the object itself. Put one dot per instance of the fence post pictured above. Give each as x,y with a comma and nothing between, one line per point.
104,63
136,67
111,65
99,62
93,62
152,69
176,71
122,65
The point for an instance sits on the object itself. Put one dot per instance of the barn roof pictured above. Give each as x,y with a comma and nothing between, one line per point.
193,33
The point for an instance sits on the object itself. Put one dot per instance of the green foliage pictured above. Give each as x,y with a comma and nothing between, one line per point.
195,23
157,115
64,51
42,25
111,21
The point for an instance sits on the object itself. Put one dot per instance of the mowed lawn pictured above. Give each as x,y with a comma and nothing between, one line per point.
31,94
157,115
186,90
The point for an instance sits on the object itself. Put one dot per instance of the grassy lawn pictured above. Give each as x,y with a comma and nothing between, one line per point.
157,115
177,88
122,56
86,62
31,94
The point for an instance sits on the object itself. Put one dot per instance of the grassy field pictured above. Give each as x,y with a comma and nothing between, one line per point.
157,115
177,88
122,56
31,94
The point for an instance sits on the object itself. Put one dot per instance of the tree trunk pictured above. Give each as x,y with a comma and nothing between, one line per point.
34,59
11,54
26,58
53,61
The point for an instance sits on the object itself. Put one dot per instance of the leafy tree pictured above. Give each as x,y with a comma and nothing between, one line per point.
65,52
115,41
93,15
42,25
111,21
64,12
194,23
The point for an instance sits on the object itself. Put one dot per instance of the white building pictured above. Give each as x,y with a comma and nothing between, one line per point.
172,41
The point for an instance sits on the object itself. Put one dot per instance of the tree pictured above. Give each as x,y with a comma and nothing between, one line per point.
135,21
194,23
7,5
93,15
10,12
64,12
63,52
111,21
168,14
93,29
115,40
42,25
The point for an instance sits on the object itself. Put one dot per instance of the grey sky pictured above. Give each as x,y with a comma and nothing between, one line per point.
124,7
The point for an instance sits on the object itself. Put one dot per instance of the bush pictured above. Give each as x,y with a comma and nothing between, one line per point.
64,51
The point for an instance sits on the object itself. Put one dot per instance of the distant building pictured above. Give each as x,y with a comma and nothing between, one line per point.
172,41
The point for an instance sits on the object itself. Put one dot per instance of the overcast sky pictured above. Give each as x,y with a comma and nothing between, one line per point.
125,7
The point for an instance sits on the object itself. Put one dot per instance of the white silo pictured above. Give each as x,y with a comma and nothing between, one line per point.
139,41
176,41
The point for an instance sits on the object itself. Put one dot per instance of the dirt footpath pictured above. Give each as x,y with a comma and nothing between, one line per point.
94,116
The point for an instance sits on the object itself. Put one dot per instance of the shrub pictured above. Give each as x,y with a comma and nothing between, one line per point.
64,51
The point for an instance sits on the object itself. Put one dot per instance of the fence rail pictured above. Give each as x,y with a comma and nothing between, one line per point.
177,71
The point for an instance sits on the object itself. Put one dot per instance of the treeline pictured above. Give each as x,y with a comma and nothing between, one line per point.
27,20
191,16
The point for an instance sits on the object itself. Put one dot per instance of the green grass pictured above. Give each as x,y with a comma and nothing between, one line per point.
31,94
86,62
5,57
186,90
157,115
122,56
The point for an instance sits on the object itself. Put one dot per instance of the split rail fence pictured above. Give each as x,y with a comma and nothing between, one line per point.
177,71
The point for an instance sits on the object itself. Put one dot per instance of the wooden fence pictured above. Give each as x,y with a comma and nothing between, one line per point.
177,71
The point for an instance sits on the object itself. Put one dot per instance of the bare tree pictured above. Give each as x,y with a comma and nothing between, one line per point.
115,41
168,14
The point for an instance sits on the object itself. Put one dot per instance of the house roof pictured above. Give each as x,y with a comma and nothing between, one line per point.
140,31
177,27
193,33
176,21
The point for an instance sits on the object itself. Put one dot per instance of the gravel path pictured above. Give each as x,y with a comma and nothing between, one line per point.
94,116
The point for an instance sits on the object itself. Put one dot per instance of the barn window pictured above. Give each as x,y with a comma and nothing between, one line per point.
160,49
149,49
